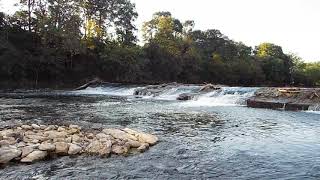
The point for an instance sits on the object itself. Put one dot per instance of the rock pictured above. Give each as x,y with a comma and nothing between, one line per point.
143,147
47,147
97,147
103,136
90,136
35,126
62,148
74,127
209,88
61,129
7,141
73,131
8,153
34,156
185,97
117,149
55,134
67,140
142,137
50,128
26,151
118,134
26,127
21,144
74,149
43,127
134,144
1,137
38,137
75,139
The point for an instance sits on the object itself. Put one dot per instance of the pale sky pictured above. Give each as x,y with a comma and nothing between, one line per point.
293,24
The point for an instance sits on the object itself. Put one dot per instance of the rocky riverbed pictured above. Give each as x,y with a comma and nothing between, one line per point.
31,143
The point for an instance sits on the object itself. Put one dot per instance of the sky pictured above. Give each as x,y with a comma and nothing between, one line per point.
292,24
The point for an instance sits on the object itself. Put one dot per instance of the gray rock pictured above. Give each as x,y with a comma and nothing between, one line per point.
8,153
34,156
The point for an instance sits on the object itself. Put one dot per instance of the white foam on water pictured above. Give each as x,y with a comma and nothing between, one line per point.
114,91
314,112
227,96
173,94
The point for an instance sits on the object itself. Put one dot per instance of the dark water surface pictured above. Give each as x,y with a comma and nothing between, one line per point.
196,142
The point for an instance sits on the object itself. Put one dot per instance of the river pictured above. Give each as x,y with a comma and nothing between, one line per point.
212,137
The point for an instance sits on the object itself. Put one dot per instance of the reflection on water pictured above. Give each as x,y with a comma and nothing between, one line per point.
197,142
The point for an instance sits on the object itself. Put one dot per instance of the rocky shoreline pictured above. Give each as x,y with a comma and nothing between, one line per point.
31,143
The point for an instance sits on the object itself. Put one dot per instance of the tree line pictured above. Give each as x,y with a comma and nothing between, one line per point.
65,42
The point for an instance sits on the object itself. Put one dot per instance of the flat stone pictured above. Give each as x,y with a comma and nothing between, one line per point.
62,148
47,147
55,134
21,144
8,153
72,126
26,151
118,134
61,129
34,156
35,126
26,127
50,128
103,136
74,149
43,127
142,137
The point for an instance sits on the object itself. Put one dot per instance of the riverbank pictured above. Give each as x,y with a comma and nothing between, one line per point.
31,143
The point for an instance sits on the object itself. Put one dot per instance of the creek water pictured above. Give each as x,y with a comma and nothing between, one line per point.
214,136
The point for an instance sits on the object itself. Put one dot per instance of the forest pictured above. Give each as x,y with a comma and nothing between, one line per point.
61,43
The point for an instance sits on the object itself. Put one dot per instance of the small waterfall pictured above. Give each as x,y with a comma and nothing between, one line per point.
108,90
227,96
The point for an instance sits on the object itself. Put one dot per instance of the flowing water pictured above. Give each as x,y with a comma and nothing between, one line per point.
213,136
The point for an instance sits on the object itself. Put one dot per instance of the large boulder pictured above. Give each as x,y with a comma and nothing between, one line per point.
34,156
8,153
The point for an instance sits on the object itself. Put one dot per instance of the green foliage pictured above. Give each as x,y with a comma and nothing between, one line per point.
68,41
